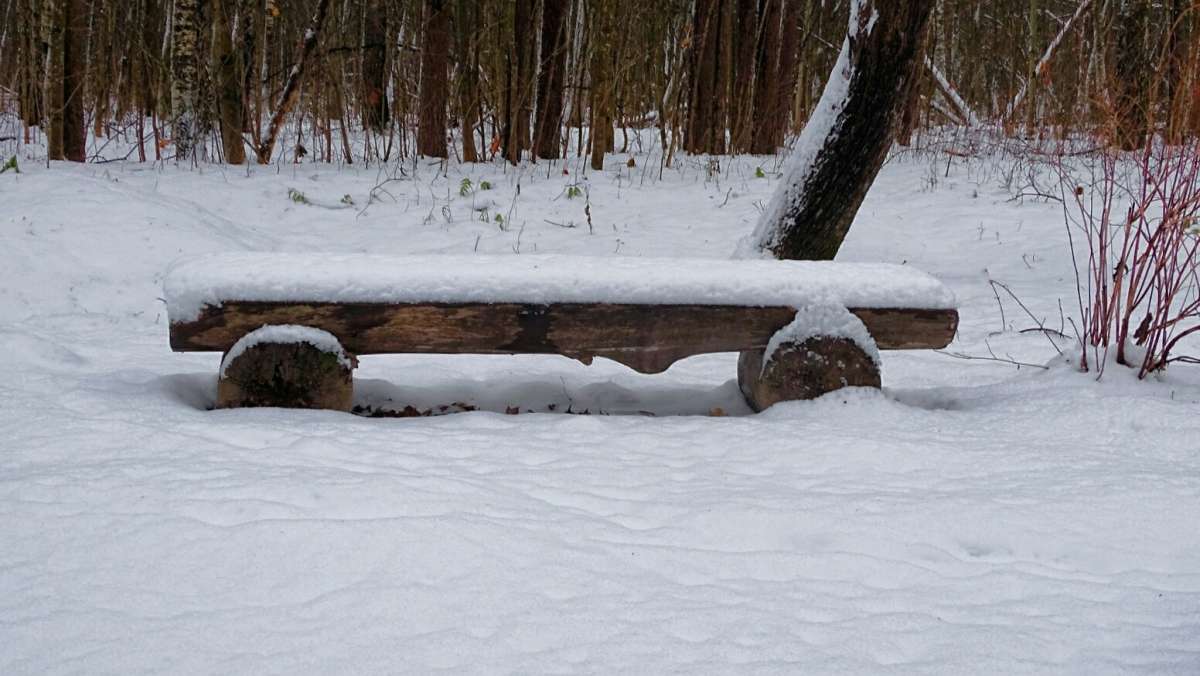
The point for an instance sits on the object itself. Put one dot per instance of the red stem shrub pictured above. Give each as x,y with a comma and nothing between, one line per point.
1138,265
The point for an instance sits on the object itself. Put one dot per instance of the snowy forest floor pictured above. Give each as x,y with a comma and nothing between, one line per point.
973,517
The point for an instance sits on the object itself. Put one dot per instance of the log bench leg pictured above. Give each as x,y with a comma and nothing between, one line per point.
804,369
270,367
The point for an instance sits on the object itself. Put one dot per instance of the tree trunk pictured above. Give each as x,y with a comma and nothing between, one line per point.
849,134
374,101
227,69
788,72
252,21
435,52
741,127
74,75
32,66
183,78
467,79
705,52
766,80
518,96
54,17
551,76
603,50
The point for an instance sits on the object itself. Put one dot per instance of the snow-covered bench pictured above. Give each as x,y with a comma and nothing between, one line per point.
803,328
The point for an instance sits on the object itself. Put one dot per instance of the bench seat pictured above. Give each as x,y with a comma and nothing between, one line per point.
643,312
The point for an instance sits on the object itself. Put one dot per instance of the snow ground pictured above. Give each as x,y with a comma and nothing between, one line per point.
971,518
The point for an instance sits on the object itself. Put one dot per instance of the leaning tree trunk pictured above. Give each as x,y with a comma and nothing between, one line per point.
435,89
844,143
183,77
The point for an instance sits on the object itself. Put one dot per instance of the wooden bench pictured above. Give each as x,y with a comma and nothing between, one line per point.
644,313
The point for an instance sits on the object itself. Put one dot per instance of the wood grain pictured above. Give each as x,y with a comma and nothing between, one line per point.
648,338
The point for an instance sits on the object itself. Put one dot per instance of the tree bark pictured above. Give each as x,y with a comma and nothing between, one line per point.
467,78
551,77
787,72
705,52
741,123
183,78
32,72
518,97
227,68
766,81
54,31
374,101
849,134
435,91
602,83
74,75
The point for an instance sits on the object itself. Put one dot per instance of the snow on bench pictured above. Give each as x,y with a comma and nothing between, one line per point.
210,281
644,312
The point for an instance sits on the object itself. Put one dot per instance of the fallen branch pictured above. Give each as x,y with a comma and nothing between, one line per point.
959,105
291,90
1044,62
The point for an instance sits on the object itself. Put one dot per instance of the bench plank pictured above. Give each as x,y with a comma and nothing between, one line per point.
647,338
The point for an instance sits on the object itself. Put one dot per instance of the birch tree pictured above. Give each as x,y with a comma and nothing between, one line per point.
183,78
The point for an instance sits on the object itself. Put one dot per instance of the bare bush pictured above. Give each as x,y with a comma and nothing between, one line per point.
1132,222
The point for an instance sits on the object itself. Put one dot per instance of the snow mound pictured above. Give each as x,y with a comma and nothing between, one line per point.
287,333
272,277
830,321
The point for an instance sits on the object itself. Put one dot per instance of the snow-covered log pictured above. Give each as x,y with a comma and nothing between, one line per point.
825,348
287,366
848,136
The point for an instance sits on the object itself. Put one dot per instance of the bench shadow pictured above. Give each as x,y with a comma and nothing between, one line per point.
386,399
193,390
382,398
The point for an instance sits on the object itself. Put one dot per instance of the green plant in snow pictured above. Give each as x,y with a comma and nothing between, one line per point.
465,187
759,173
10,164
484,185
574,191
297,196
